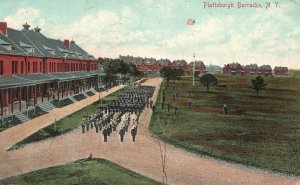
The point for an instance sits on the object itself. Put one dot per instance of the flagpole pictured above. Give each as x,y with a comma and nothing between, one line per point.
194,70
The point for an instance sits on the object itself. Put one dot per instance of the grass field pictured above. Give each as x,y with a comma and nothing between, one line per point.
96,171
261,131
68,123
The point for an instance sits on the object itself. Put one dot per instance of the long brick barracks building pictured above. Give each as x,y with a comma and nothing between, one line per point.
36,70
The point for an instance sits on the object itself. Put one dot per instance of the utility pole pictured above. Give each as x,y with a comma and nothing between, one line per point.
194,70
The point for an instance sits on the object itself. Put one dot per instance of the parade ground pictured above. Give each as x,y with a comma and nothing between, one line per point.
142,156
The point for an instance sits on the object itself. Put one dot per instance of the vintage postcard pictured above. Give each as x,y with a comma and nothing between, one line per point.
135,92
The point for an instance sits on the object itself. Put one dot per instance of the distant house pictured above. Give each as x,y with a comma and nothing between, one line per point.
233,69
265,70
181,64
164,62
252,69
199,67
281,71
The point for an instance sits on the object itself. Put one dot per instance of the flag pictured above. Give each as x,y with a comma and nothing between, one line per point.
190,21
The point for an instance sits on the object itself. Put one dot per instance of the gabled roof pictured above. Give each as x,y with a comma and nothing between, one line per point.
21,41
179,62
149,61
197,64
281,68
234,65
251,66
6,43
268,67
164,62
138,60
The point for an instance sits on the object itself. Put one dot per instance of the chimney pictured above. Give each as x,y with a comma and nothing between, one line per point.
3,28
67,43
26,26
37,29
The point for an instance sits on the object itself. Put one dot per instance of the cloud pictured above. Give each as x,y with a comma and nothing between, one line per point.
262,37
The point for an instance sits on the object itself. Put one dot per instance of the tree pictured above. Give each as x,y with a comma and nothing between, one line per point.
208,80
258,84
171,74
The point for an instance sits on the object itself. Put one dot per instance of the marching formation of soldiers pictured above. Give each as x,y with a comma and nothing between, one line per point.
106,120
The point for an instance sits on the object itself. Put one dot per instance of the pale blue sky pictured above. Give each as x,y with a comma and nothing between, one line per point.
157,28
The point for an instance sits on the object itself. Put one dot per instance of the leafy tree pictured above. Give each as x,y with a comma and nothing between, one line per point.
171,73
258,84
208,80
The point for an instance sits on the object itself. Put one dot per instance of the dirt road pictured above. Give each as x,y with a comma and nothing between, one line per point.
142,156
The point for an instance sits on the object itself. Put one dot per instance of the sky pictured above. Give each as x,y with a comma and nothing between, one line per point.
159,29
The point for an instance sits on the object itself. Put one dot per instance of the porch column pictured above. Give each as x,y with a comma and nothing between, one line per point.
2,97
20,98
27,94
11,94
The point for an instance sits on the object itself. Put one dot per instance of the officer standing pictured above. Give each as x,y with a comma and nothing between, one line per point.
96,126
225,109
122,133
175,109
168,107
105,133
133,133
83,127
162,105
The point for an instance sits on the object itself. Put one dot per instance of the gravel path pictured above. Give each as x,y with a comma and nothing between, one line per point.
142,156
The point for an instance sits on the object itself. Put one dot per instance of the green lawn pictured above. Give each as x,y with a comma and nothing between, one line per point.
68,123
96,171
261,131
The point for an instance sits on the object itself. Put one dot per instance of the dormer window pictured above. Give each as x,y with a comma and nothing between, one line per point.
30,50
12,48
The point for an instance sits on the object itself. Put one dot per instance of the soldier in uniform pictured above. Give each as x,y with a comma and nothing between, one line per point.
175,109
133,133
122,133
151,103
153,108
225,109
96,126
105,133
162,105
168,107
87,125
190,104
83,126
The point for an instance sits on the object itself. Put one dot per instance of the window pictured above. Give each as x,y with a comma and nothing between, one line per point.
41,67
14,67
34,67
22,67
1,67
28,67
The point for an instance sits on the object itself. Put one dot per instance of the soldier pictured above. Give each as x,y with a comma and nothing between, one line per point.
122,133
168,107
105,133
92,124
177,94
175,109
190,104
162,105
96,126
225,109
87,125
83,127
163,98
151,103
173,97
133,133
153,109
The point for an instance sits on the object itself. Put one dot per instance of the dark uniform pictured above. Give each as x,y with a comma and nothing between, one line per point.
122,133
133,133
105,133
